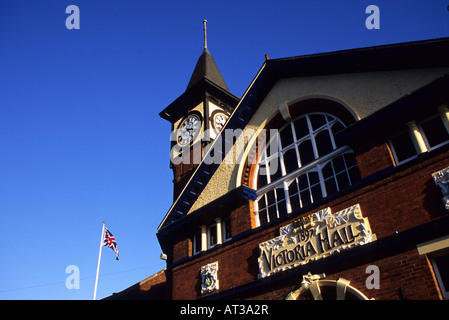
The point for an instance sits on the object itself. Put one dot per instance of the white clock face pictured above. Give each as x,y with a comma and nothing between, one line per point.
219,120
189,129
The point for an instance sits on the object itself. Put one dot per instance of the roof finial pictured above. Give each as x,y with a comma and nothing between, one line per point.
205,34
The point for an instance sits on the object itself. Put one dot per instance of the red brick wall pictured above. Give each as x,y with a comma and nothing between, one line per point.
182,248
403,276
184,170
396,202
376,158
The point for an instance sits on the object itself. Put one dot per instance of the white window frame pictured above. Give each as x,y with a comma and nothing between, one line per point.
443,289
416,132
209,238
433,249
205,236
394,153
194,242
224,224
445,124
286,178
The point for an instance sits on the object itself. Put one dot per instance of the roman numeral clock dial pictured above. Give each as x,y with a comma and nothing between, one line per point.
189,129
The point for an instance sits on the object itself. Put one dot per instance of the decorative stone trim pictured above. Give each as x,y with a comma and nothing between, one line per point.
314,237
209,274
314,283
441,179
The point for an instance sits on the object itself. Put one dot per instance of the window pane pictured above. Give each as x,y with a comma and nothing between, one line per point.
282,208
262,179
313,178
261,203
317,121
331,186
339,164
213,235
197,241
403,146
343,181
303,182
294,202
316,193
323,143
329,118
442,263
290,160
272,213
280,194
301,128
227,229
286,136
435,131
337,127
350,160
305,197
306,152
293,188
270,197
354,174
299,149
275,169
263,216
327,170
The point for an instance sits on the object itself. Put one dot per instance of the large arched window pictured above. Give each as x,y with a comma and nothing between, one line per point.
301,165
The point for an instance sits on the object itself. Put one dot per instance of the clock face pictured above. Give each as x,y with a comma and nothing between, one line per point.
219,120
189,129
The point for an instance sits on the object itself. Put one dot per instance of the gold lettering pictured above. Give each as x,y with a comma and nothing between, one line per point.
323,241
336,239
299,252
308,240
310,250
268,259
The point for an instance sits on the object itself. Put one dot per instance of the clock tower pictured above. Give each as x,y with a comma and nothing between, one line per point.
197,116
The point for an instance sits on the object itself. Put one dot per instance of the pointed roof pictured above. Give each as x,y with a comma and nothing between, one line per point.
205,78
207,68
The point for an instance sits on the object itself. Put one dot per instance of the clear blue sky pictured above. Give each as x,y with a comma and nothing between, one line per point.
80,136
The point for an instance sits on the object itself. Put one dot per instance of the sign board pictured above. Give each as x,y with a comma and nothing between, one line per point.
314,237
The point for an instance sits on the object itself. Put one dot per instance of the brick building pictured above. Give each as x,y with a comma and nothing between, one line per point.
327,179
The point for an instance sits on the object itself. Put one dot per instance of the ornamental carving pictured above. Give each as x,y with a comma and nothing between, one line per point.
314,237
441,179
209,275
317,288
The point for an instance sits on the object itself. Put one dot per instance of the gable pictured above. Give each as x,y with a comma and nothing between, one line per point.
349,76
361,93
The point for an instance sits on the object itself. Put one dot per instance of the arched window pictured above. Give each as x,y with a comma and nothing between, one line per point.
301,165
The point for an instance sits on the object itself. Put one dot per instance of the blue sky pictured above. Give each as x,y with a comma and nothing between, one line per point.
80,136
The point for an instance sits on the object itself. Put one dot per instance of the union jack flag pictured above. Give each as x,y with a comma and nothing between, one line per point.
109,241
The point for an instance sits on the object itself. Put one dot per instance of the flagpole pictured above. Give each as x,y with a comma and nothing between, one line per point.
99,259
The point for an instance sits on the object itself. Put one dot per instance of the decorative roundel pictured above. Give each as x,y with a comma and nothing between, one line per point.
188,129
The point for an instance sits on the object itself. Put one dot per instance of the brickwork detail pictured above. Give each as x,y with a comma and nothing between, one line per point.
396,202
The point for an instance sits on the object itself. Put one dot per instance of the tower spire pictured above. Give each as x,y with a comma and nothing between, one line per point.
205,34
206,67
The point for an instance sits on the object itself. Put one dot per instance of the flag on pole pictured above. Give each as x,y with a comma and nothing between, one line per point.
109,240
